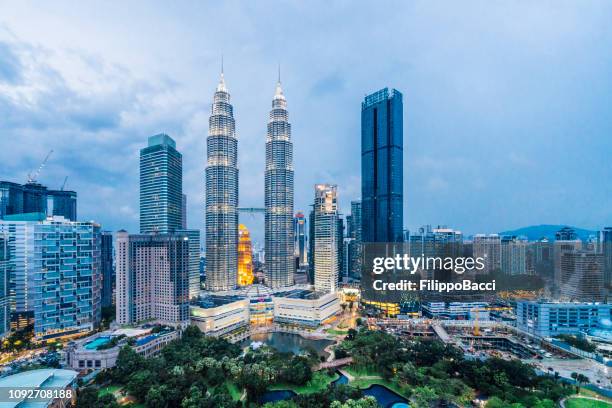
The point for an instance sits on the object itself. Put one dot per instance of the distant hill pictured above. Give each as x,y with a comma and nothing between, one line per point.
535,232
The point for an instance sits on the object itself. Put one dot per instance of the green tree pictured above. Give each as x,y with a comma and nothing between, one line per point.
366,402
422,397
157,397
139,383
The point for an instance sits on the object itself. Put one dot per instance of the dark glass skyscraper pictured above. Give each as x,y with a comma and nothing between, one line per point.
299,228
161,186
106,267
63,203
35,198
382,149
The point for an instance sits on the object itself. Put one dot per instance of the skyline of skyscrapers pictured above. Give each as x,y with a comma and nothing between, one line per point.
221,194
278,195
161,186
382,170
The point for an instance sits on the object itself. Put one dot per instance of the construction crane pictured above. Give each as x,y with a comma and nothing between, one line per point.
484,309
64,183
32,177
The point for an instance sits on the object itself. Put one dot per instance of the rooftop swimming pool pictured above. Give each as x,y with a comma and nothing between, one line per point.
100,341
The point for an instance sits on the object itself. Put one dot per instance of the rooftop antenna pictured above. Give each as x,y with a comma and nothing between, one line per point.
279,72
64,183
221,64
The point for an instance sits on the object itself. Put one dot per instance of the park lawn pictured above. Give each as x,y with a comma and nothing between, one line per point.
586,403
356,371
590,393
319,382
234,391
336,332
111,389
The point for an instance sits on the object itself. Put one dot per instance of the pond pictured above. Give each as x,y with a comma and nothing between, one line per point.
385,397
289,342
273,396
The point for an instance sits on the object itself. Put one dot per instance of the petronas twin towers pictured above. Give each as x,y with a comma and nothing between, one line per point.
222,195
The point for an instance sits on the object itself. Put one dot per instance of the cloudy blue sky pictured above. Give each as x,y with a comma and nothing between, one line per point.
508,104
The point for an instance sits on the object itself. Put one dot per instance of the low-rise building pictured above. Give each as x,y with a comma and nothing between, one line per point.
456,310
222,316
305,308
102,349
549,319
57,388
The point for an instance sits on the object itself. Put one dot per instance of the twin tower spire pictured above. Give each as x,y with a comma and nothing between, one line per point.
222,194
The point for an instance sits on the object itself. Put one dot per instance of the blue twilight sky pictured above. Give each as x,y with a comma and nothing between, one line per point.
507,104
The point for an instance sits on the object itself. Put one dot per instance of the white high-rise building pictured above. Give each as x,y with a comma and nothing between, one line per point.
152,278
279,238
221,194
326,260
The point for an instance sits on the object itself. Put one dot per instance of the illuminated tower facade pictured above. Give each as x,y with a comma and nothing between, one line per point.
279,244
245,256
326,260
221,194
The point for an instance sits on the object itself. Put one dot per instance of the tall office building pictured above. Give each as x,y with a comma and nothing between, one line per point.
33,197
19,230
382,146
582,276
353,257
566,240
340,242
542,257
488,247
513,256
279,263
221,194
5,305
152,278
184,212
299,231
62,203
106,267
440,242
55,273
326,257
193,236
311,246
161,186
